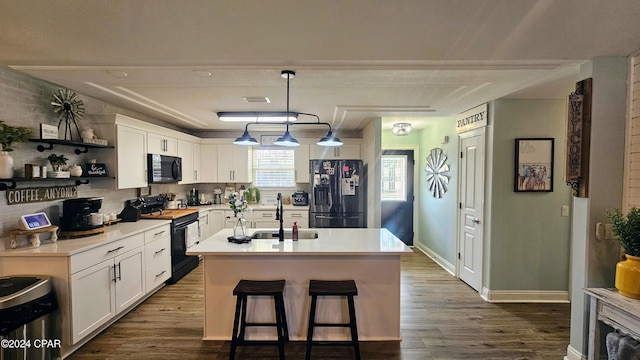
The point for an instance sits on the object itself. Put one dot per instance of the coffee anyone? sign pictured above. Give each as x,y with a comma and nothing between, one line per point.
32,195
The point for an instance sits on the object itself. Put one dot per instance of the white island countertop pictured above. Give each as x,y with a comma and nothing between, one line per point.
330,241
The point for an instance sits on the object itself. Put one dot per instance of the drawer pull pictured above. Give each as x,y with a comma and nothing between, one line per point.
116,249
267,215
159,233
296,215
163,271
159,251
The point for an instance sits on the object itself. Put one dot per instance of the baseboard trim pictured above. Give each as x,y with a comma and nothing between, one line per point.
447,266
526,296
573,354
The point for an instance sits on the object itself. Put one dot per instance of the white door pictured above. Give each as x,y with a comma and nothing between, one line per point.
470,211
132,158
129,278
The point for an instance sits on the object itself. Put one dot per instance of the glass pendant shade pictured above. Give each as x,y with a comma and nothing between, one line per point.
287,140
329,140
246,139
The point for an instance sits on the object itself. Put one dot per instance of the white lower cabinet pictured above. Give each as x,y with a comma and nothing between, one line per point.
157,252
258,219
204,224
101,291
216,221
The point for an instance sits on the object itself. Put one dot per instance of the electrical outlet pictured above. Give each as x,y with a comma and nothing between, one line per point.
565,210
604,232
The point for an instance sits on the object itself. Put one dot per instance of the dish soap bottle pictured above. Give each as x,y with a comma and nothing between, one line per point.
294,231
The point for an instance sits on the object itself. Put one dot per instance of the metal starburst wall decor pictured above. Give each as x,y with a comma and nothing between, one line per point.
437,170
69,108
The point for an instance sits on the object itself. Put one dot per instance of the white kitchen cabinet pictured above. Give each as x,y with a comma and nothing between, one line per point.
101,291
161,144
346,151
190,154
302,163
204,224
131,157
264,219
216,220
300,216
234,164
157,251
208,163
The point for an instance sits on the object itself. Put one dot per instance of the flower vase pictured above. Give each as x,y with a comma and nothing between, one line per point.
240,228
6,165
627,279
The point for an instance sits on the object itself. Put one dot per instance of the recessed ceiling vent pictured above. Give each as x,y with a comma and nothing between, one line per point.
256,99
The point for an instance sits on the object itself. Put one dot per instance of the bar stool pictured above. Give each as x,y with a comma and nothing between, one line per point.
345,288
272,288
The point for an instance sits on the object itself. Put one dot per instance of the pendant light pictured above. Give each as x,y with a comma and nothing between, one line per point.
287,139
263,118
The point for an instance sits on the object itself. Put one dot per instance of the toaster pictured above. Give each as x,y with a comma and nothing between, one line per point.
300,198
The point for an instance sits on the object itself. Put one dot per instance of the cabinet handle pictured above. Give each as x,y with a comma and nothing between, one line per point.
159,233
294,215
119,272
163,271
267,215
114,273
159,251
234,174
230,176
195,174
116,249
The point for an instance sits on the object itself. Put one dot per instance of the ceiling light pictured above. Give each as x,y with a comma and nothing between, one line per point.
118,74
401,129
202,73
256,99
256,116
272,117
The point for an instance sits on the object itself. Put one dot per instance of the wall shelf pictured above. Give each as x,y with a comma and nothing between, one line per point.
12,183
76,144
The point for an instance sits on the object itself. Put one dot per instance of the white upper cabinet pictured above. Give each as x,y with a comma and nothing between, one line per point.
131,157
161,144
208,163
190,154
346,151
234,163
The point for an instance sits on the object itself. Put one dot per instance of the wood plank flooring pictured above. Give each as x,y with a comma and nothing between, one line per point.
441,318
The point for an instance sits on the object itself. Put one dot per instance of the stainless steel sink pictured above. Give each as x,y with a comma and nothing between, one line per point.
271,234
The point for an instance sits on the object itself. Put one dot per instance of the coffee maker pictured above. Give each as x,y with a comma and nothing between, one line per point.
76,213
193,199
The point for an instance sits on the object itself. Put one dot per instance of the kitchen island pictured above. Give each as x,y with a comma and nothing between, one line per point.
371,257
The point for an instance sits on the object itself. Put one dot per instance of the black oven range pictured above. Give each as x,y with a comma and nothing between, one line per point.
184,232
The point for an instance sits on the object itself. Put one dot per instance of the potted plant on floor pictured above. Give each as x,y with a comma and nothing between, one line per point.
627,229
9,135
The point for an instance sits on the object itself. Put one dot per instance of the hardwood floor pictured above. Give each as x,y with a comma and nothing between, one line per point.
442,318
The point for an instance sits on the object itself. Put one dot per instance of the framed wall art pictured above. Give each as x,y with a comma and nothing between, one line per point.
534,165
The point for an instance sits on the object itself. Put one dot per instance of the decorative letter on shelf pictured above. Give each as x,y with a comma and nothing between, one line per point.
576,172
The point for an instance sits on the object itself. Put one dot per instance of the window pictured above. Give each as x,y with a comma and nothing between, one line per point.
274,167
394,173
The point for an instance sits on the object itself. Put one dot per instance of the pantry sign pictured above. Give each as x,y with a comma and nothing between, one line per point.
32,195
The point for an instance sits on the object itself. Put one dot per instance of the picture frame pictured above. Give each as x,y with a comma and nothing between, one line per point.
534,164
48,131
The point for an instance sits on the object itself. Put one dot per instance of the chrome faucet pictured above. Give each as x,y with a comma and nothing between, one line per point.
280,216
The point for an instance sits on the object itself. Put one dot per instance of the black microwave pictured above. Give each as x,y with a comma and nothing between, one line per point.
162,169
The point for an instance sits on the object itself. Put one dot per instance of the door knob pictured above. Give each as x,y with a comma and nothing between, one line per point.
475,221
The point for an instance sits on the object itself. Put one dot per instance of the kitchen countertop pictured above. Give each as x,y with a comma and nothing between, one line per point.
330,241
73,246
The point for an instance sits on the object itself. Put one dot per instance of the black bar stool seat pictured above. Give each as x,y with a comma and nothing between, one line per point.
272,288
346,288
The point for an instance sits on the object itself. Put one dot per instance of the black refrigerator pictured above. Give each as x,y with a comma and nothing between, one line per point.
337,194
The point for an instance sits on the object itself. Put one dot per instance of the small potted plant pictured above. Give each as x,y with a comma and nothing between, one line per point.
627,229
9,135
57,161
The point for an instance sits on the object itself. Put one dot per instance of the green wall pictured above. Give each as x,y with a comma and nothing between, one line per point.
528,242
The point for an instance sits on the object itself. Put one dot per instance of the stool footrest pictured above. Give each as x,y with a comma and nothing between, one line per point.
257,342
260,324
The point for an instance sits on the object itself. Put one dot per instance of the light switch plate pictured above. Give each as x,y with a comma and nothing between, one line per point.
565,210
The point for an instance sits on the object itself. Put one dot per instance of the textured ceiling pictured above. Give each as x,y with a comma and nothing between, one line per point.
355,60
